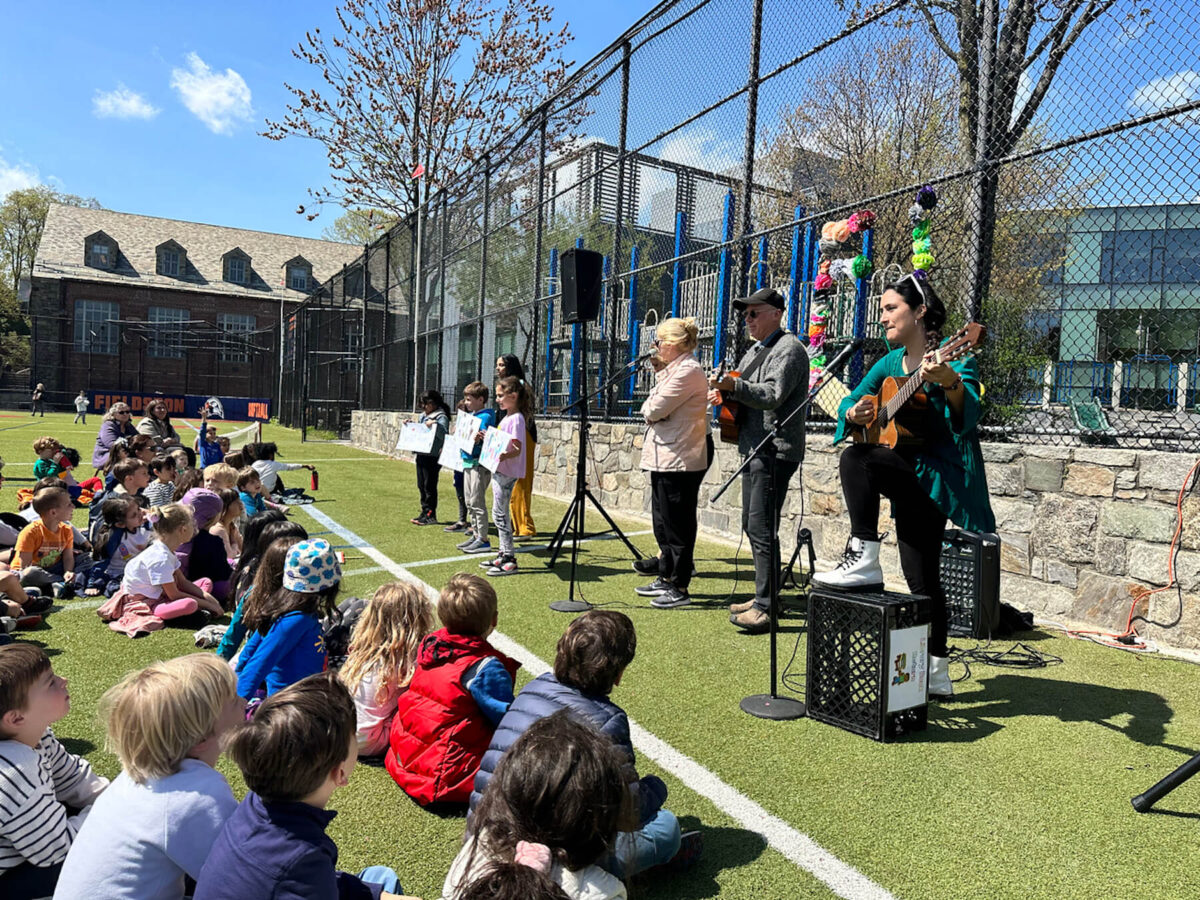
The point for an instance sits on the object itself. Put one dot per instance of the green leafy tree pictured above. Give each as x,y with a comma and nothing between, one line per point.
359,226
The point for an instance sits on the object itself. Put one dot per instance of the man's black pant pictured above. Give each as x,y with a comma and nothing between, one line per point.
674,500
762,525
428,470
869,471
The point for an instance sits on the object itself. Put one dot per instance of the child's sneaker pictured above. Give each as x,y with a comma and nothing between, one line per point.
495,561
507,566
463,545
36,603
27,622
63,591
7,624
478,547
456,527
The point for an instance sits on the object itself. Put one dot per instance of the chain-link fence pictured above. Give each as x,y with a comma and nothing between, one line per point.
705,152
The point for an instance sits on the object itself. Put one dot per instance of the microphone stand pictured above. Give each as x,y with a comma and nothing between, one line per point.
771,705
583,493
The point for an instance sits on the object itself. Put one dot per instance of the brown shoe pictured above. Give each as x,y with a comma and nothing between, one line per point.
737,609
752,621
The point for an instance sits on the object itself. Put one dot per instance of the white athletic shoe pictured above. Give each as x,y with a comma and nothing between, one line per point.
859,569
939,677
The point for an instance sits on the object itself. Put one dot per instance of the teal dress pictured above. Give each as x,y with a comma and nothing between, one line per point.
950,465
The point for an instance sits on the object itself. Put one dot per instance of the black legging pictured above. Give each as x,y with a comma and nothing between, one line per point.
869,471
428,470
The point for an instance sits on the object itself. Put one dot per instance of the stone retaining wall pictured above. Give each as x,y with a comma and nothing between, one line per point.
1079,526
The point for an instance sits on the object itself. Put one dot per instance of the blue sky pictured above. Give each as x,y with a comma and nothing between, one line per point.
68,122
155,108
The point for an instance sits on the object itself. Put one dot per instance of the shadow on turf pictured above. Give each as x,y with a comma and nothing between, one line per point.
1008,696
724,848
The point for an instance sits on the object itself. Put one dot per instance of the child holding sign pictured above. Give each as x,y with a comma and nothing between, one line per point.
513,397
475,476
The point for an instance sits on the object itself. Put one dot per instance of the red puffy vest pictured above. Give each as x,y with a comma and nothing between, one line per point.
439,734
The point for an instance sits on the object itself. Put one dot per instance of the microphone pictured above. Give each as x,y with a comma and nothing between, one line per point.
843,356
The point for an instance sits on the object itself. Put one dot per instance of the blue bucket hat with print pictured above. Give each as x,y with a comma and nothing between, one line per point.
311,567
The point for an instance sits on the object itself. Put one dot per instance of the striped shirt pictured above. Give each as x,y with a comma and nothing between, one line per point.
37,784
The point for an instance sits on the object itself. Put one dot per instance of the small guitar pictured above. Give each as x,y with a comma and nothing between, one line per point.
727,412
901,409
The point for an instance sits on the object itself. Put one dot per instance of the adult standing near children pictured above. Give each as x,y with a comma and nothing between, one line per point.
772,384
941,478
675,453
508,366
157,424
36,402
116,425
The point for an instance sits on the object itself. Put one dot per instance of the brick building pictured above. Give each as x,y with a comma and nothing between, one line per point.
133,303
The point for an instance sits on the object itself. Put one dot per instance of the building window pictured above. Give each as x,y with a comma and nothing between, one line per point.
351,342
298,278
236,347
169,263
167,332
1130,257
95,327
100,256
1181,262
236,271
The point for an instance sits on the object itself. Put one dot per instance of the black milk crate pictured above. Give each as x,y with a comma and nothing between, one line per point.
868,661
971,579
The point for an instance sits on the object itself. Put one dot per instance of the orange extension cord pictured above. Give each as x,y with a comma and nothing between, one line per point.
1129,639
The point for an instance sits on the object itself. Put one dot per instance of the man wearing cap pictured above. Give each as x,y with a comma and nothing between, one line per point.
774,382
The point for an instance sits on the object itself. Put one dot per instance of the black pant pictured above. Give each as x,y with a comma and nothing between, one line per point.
428,470
27,882
674,500
761,525
869,471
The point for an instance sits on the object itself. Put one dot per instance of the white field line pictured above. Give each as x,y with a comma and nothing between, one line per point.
844,880
530,548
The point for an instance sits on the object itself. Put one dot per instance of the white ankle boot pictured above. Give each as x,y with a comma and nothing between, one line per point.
859,569
939,677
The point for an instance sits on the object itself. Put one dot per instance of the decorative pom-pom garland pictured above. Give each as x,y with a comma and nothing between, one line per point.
833,235
919,213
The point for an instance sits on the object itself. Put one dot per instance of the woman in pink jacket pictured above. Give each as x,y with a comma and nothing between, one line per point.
676,454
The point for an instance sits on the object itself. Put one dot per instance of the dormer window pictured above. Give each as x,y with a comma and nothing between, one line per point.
172,259
237,266
297,274
100,251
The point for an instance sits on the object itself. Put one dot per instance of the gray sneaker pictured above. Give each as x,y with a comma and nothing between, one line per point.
478,547
463,545
672,598
656,588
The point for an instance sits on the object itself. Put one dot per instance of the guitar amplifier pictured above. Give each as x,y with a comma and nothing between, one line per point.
970,569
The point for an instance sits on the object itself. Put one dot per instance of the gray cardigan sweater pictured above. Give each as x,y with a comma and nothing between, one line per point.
773,390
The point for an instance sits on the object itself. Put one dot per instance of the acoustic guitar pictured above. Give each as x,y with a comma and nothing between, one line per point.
727,412
902,413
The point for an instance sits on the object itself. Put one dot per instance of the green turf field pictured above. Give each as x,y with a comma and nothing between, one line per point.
1019,787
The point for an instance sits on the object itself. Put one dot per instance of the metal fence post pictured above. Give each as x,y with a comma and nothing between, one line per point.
550,292
795,273
677,269
539,227
806,276
751,137
720,337
362,325
608,303
861,294
483,255
632,323
577,348
610,289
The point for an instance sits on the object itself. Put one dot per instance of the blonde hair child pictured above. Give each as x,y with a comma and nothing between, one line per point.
220,477
156,822
155,574
383,655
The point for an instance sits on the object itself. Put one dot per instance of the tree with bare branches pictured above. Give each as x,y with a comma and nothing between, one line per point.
419,86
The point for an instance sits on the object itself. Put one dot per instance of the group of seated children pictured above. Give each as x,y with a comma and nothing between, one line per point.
515,420
556,808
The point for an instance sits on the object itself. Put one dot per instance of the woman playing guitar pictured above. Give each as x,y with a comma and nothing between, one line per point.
927,482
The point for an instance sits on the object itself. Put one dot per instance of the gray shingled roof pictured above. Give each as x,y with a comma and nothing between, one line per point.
62,253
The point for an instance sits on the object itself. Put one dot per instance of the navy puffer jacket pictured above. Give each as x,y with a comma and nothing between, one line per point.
545,696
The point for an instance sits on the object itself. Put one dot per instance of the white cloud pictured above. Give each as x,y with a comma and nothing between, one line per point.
701,148
1163,93
16,177
122,104
218,99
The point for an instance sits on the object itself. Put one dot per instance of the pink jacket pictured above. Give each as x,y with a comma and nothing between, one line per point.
677,423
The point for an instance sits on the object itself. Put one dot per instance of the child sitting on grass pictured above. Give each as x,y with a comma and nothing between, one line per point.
263,575
591,658
262,459
225,527
556,804
461,688
185,480
220,477
123,535
133,477
286,640
45,550
155,576
50,461
160,490
204,556
383,653
250,489
294,753
39,779
155,824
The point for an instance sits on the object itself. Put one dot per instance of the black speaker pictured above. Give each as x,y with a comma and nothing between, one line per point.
970,569
582,275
